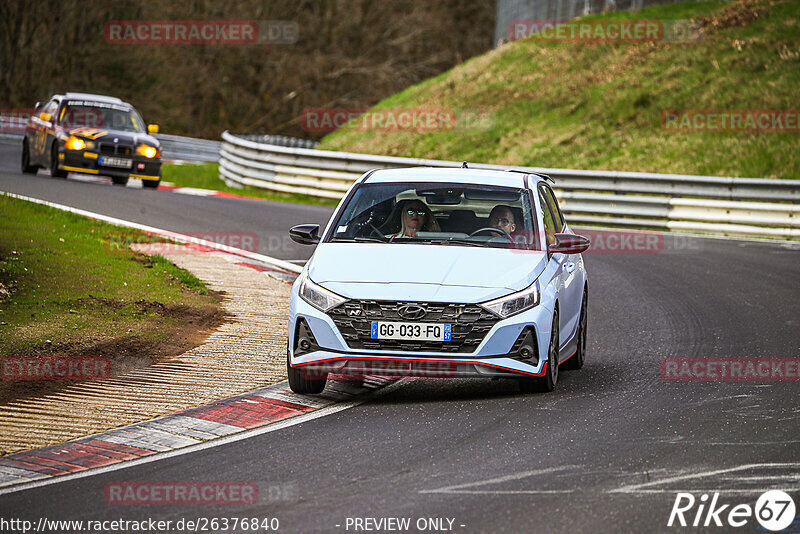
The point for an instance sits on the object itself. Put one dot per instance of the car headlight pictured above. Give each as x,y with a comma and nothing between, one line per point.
75,143
515,302
318,296
147,151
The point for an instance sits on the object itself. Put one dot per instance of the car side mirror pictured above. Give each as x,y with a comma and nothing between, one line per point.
305,234
152,128
569,244
45,117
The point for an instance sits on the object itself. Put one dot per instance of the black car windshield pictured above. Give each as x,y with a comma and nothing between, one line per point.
436,213
101,115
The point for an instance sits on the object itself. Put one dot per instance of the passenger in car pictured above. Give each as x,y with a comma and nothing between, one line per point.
416,216
502,217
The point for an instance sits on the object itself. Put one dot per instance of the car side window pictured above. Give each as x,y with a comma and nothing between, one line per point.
558,217
547,217
51,108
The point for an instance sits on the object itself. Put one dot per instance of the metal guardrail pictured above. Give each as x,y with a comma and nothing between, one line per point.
191,149
10,136
702,204
173,147
280,140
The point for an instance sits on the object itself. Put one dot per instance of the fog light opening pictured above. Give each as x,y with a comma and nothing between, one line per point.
525,347
304,340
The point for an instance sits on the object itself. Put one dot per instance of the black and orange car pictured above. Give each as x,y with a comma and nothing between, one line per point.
92,134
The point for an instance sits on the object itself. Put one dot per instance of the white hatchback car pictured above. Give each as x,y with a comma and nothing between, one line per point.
440,272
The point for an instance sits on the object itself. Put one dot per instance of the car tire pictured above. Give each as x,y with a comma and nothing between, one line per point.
302,385
55,172
150,184
116,180
546,383
27,168
576,362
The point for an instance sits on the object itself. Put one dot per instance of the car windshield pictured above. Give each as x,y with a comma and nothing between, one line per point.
438,214
112,117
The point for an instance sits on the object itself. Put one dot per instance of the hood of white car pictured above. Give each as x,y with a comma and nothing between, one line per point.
373,270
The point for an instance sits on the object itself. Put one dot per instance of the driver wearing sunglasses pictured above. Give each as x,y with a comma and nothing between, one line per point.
416,217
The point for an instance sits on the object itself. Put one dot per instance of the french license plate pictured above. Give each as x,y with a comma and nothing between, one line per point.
411,331
122,163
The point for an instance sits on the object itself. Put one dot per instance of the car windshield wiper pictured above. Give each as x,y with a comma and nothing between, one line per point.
444,242
464,242
358,240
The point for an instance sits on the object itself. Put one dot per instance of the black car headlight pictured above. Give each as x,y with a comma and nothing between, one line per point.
515,302
318,296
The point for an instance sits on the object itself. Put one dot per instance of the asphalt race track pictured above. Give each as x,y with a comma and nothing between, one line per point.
608,451
179,213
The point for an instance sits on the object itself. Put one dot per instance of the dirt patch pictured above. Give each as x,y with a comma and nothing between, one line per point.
5,291
188,327
111,303
143,260
733,16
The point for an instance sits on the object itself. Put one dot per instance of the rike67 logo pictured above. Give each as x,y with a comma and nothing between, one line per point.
774,510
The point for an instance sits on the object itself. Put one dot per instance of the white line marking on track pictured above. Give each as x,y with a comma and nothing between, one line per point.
459,488
195,191
639,488
795,476
749,491
181,238
504,492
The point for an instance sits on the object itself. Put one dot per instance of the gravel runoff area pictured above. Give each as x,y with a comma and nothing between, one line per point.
248,351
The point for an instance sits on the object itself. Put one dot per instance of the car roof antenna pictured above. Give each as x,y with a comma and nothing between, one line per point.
464,165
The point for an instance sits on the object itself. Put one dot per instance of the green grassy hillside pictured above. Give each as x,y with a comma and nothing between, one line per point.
598,106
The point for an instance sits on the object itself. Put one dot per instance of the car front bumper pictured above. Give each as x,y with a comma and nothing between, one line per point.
493,357
86,161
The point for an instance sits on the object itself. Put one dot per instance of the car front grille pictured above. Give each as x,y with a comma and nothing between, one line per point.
470,324
112,149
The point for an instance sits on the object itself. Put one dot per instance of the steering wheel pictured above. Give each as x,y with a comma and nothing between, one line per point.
376,231
491,229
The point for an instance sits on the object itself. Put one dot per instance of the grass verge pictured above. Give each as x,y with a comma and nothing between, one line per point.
206,176
69,287
583,105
